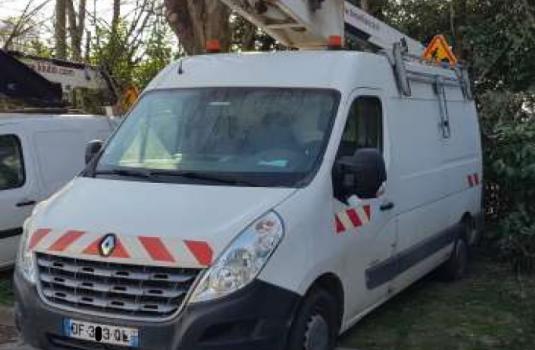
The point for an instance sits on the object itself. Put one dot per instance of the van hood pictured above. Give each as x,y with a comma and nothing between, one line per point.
156,224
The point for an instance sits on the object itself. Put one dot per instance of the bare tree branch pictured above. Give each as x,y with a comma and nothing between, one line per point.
24,18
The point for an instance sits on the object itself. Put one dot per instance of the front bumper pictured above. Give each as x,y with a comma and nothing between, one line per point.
256,318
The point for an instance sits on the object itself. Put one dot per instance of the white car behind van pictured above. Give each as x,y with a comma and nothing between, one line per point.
38,155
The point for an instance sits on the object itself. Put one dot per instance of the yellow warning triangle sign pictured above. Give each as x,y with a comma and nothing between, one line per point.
439,51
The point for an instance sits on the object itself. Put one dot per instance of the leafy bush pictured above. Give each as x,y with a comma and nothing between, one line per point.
509,145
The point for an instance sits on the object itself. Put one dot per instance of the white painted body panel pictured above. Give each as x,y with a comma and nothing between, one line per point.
53,149
427,180
213,214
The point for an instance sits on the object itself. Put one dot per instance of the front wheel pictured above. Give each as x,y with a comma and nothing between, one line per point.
316,324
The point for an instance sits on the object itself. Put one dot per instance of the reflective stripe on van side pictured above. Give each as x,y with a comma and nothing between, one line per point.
473,180
352,218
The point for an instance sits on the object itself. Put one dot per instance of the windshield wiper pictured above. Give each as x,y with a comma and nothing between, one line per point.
206,177
123,172
144,174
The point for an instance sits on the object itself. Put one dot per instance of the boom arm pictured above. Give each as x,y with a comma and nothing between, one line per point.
19,81
60,78
70,75
308,24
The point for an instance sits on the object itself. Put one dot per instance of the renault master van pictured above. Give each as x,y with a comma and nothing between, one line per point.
256,201
38,155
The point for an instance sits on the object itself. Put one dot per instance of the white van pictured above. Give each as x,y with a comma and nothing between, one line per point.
38,155
256,201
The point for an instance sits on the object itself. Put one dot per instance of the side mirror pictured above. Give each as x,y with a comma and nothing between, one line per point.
91,150
365,171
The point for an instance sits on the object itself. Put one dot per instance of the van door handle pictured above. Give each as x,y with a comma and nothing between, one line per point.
25,204
387,206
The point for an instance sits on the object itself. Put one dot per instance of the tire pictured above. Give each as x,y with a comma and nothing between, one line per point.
455,268
316,323
473,233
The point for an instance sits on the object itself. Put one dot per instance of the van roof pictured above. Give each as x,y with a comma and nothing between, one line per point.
307,69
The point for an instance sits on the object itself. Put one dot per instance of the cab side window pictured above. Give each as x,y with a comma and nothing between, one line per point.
11,163
364,127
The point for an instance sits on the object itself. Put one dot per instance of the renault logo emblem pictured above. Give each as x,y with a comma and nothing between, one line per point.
108,244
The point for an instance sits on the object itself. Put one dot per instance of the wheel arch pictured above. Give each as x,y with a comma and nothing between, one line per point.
469,232
332,284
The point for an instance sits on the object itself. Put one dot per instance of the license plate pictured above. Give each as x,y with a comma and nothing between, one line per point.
99,333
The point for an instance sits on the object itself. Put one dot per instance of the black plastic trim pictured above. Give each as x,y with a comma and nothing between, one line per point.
10,233
390,268
357,33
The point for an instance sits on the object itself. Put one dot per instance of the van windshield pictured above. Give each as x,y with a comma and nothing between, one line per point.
242,136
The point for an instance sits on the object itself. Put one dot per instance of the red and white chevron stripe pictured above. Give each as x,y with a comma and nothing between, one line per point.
352,218
473,180
140,250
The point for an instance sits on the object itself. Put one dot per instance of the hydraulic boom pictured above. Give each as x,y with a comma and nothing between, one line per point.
308,24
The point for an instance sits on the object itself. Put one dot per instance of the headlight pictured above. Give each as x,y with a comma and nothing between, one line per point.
26,258
242,261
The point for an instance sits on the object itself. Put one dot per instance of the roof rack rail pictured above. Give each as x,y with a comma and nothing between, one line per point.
399,57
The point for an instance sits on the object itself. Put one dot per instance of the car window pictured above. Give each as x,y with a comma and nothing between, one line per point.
11,163
265,136
364,127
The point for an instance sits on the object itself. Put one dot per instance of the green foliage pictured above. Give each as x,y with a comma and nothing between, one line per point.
110,51
516,238
133,64
158,54
495,37
509,138
501,44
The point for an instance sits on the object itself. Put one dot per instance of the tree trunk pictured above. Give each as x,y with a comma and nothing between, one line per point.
60,34
76,27
87,46
458,23
116,18
81,24
197,21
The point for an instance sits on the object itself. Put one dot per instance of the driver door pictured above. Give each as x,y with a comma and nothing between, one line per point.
369,225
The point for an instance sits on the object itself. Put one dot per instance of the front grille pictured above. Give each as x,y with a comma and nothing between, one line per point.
113,289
